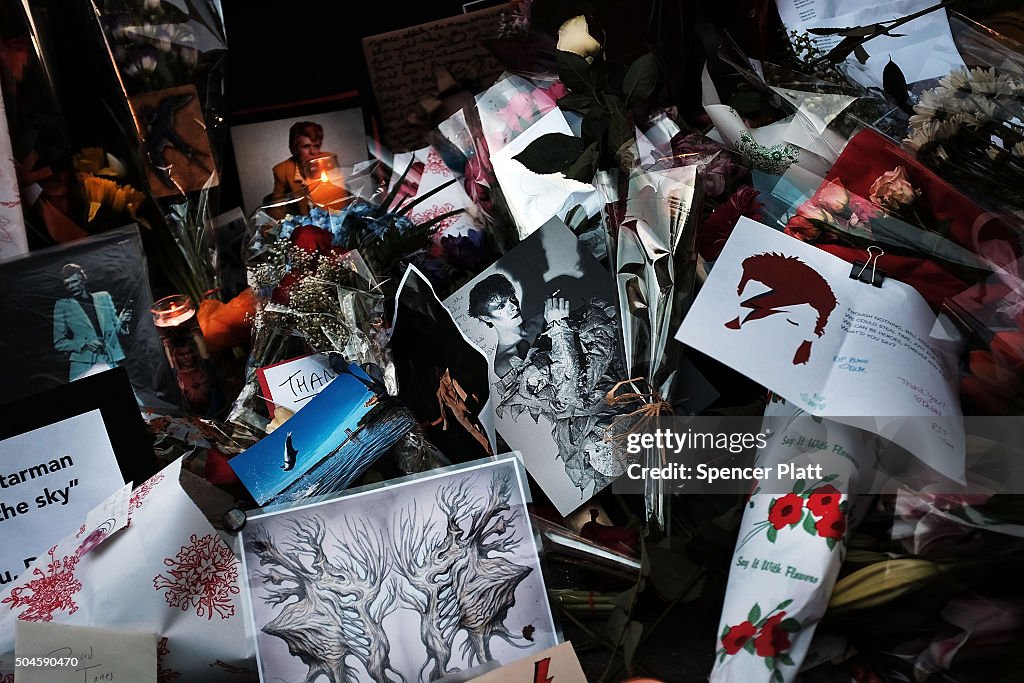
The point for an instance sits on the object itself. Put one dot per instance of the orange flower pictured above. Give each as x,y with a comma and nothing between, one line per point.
892,189
228,324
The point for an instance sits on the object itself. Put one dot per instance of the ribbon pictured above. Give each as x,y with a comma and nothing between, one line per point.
651,406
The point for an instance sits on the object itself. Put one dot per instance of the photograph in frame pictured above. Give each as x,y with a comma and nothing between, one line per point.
416,580
545,315
269,153
82,308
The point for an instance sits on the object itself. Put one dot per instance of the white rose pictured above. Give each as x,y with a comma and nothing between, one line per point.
574,37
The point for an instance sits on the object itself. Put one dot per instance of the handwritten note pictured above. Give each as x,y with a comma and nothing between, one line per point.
558,664
292,383
55,653
401,66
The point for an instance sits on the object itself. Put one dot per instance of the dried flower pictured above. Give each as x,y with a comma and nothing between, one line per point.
802,229
892,189
833,196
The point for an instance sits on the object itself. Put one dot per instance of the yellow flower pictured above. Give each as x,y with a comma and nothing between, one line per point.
573,36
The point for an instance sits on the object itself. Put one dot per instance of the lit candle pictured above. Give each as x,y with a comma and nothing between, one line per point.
327,184
182,338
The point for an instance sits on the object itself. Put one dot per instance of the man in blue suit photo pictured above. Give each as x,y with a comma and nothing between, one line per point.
86,325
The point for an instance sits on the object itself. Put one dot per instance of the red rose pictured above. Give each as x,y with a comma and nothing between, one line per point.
772,639
802,229
1008,346
988,367
786,510
717,228
312,239
824,500
283,292
832,525
737,636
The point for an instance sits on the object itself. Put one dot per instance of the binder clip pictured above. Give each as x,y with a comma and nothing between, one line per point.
234,520
860,270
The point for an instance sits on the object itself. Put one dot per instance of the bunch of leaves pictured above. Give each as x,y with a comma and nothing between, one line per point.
604,94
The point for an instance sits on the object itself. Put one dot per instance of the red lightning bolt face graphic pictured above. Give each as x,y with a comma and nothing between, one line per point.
540,671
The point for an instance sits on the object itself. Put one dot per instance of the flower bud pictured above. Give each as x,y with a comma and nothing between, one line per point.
892,189
574,37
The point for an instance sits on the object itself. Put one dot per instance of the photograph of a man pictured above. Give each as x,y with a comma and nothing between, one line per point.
304,141
87,325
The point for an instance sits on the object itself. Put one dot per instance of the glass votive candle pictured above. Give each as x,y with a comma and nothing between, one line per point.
177,322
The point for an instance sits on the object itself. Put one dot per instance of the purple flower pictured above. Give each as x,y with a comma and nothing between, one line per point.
468,252
715,164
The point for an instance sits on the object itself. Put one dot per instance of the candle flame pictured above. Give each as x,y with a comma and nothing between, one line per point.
323,177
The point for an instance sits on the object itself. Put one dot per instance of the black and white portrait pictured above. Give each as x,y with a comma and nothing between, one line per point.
80,309
545,315
412,582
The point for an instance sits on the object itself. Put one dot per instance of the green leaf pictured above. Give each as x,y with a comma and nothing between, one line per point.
749,646
830,477
772,534
782,605
754,615
831,542
551,153
809,524
640,79
770,663
789,625
798,486
585,167
575,72
725,630
786,659
630,641
777,675
580,102
621,140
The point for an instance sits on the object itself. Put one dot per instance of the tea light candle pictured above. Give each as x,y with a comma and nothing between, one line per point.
326,182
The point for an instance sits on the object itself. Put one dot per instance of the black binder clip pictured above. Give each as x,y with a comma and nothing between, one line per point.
234,520
860,271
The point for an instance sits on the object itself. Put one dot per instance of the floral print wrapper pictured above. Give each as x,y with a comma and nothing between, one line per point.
790,547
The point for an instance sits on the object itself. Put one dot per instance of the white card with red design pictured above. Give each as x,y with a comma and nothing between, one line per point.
169,573
73,654
427,173
789,316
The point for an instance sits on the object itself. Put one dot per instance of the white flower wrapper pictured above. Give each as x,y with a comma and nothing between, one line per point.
169,573
790,549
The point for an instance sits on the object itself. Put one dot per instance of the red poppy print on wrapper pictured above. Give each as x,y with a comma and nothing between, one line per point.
432,213
48,592
819,511
763,635
202,577
139,494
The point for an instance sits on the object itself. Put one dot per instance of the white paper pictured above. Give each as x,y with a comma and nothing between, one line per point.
534,198
107,518
85,654
872,358
13,240
169,572
51,478
924,50
294,382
